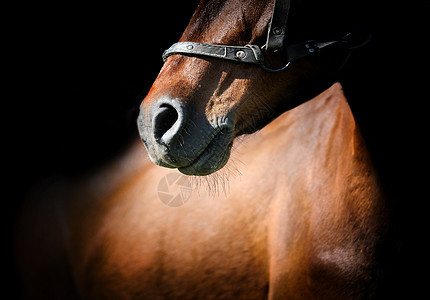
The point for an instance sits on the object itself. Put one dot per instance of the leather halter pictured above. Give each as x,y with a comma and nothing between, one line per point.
253,54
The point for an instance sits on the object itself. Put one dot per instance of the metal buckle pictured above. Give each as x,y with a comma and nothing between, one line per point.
274,70
264,67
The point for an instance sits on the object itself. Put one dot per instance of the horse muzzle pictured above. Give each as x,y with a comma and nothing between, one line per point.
176,136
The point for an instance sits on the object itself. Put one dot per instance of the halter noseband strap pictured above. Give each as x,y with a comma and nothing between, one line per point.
275,42
247,54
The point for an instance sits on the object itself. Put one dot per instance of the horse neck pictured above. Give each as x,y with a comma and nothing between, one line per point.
322,134
324,120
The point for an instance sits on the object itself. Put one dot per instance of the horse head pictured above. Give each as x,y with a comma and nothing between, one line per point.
198,105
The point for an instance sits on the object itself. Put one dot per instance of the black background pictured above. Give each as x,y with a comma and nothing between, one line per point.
76,73
80,72
75,76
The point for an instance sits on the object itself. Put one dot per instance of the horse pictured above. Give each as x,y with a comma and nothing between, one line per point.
294,207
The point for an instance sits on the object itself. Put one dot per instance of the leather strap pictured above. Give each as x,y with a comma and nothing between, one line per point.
250,53
246,54
310,48
278,25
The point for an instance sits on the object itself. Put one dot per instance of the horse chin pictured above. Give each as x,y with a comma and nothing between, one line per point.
213,157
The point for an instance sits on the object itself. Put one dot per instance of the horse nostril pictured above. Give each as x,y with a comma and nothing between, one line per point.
164,120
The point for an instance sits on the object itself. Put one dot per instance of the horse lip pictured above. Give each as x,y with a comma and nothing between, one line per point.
201,160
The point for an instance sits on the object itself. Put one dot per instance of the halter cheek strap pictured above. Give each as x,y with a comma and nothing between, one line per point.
278,25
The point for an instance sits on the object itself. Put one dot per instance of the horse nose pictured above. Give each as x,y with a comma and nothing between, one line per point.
167,121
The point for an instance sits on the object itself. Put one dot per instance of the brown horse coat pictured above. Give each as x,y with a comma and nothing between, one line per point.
300,218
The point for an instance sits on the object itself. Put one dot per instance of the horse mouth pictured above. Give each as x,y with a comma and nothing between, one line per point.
214,156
